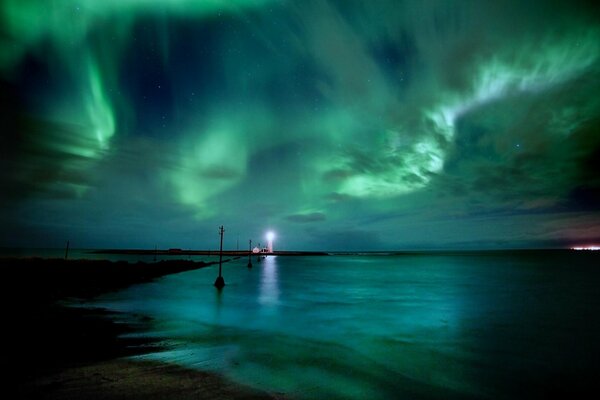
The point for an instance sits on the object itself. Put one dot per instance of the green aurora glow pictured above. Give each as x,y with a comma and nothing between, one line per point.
340,124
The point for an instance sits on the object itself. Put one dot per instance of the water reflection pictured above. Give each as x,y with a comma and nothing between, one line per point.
456,325
218,305
269,285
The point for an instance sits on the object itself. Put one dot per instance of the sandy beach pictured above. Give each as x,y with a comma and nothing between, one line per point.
125,379
54,351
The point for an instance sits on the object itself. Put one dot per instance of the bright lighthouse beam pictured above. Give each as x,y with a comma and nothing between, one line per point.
270,237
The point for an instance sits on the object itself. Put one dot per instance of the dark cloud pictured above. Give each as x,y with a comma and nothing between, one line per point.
584,198
350,238
47,159
309,217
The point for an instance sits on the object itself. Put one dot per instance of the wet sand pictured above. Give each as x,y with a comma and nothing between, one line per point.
53,351
123,379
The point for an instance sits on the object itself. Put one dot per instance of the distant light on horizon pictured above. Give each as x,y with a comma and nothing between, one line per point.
591,248
270,235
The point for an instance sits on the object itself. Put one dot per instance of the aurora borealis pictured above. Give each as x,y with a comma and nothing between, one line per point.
341,125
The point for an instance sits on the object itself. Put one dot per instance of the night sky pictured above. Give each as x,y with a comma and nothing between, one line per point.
340,125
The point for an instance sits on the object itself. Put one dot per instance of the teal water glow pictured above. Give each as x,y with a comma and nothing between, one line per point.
491,325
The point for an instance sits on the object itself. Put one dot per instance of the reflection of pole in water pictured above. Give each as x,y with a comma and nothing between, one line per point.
250,254
220,282
217,306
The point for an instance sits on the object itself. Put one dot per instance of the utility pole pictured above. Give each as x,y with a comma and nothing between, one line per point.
67,251
220,282
250,254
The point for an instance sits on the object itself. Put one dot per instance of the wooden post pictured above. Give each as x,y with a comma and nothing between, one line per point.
220,282
250,254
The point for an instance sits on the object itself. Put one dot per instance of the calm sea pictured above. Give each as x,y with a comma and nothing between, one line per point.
483,325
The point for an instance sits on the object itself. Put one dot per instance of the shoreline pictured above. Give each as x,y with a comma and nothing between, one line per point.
50,279
56,351
127,379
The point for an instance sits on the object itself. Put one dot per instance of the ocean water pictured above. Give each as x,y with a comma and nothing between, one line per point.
462,325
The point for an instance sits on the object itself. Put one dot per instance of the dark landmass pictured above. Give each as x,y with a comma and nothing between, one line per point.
182,252
54,279
54,351
245,253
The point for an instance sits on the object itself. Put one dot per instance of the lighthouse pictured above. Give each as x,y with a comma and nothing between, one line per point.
270,237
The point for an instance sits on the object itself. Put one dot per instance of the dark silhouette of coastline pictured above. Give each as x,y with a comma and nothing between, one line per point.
57,351
182,252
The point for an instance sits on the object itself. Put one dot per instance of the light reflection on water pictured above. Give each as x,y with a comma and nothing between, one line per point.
269,289
381,327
